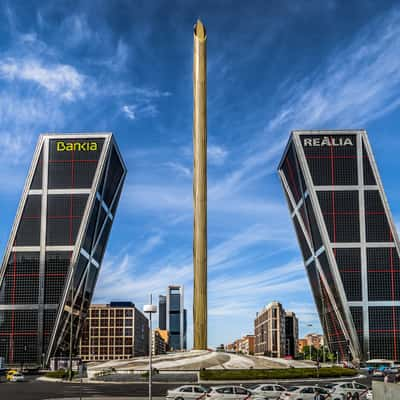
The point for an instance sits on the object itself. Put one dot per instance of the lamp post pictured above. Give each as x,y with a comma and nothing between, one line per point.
71,328
24,359
150,309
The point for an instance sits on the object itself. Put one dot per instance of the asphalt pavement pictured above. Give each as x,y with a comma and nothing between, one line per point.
36,390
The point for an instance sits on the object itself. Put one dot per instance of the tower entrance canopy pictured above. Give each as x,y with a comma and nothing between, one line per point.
57,244
347,238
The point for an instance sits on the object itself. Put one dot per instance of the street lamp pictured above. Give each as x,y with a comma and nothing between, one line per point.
24,359
150,309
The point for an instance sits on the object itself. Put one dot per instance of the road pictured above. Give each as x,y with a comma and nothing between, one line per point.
36,390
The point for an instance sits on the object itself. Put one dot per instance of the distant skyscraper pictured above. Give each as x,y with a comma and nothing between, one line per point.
348,240
175,316
291,333
57,244
162,312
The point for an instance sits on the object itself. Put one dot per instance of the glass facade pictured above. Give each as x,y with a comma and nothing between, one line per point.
57,244
173,315
346,236
162,312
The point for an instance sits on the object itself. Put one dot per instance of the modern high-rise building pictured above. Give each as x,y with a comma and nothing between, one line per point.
291,333
162,312
115,331
57,243
348,240
269,330
172,317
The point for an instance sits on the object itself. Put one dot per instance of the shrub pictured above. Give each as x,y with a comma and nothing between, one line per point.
287,373
59,374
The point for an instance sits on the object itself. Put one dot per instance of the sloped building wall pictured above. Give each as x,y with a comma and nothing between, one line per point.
57,243
347,238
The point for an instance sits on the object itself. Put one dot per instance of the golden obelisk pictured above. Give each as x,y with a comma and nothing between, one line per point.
200,187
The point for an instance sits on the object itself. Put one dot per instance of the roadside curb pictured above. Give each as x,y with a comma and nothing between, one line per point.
105,398
46,379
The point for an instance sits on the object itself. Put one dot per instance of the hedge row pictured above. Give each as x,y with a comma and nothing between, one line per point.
287,373
59,374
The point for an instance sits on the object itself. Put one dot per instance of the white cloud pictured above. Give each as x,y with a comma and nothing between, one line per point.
179,168
216,155
130,111
77,30
59,79
145,102
357,84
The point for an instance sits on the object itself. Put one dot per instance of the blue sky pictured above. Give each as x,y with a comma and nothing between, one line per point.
126,67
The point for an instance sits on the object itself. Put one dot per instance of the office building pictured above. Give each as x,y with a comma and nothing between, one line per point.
269,329
348,240
301,344
115,331
244,345
315,339
162,312
232,347
159,344
172,317
291,334
57,243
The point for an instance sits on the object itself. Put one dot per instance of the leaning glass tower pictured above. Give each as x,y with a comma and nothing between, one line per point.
57,243
348,240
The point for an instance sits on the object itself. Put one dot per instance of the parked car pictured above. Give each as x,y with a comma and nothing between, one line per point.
304,393
17,377
391,370
268,391
187,392
228,393
378,372
339,390
10,373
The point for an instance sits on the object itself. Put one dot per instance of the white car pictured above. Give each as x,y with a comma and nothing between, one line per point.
340,389
17,377
304,393
228,393
268,391
370,395
187,392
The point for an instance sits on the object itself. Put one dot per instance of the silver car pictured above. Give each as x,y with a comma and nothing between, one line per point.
268,391
17,377
339,390
229,393
303,393
187,392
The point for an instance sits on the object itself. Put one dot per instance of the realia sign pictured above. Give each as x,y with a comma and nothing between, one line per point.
328,141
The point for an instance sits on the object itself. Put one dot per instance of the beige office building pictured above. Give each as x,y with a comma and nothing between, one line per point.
115,331
269,329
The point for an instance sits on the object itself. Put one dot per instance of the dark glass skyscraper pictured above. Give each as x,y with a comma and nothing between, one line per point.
348,240
162,312
172,317
57,244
